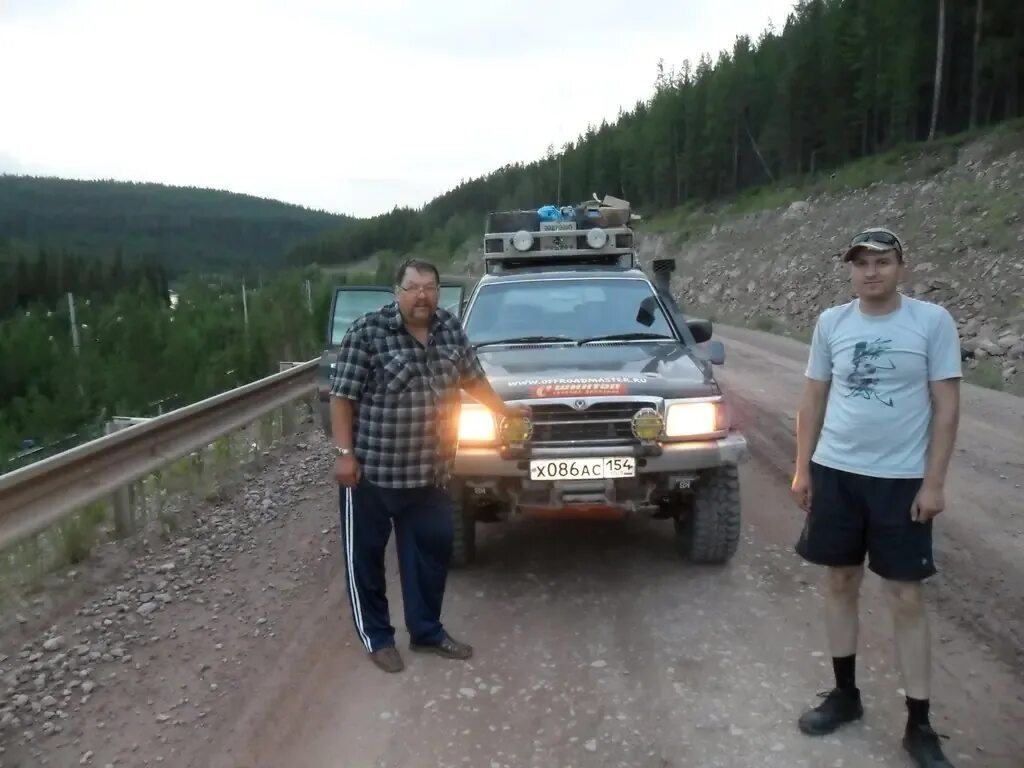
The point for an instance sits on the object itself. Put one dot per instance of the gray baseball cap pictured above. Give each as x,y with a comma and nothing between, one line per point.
876,239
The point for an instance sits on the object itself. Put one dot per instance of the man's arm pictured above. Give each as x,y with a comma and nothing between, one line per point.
474,381
350,374
944,374
341,421
811,414
945,421
482,391
809,418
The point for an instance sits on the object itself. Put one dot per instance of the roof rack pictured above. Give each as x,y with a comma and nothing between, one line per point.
594,233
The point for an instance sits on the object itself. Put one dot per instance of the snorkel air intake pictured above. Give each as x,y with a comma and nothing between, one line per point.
662,270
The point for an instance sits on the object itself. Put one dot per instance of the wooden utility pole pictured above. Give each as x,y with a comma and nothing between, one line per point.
74,325
939,54
979,12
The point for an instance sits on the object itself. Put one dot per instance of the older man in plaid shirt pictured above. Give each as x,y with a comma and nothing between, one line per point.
394,417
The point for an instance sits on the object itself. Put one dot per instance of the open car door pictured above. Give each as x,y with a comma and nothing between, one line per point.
351,302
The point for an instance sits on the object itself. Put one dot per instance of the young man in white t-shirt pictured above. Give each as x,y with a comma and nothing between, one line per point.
875,433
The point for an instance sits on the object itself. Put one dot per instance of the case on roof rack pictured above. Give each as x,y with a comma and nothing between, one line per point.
596,232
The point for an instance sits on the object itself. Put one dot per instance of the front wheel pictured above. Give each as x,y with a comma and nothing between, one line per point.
464,525
711,532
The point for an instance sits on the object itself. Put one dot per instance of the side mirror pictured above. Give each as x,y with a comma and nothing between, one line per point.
716,352
701,330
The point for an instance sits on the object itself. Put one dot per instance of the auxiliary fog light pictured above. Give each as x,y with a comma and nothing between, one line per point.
647,424
476,424
522,240
597,238
693,419
516,429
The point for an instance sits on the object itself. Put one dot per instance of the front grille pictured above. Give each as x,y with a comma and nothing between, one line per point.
601,424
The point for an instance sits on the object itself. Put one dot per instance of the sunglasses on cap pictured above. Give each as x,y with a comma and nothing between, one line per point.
877,236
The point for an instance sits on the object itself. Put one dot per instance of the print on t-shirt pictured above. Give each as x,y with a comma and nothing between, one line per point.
867,360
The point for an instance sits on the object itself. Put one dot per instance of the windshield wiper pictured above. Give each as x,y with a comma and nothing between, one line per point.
522,340
636,335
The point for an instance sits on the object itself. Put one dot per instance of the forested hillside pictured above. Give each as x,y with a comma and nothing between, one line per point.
134,350
842,79
180,228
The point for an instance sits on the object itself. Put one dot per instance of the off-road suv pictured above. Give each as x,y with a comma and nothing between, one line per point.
626,414
627,417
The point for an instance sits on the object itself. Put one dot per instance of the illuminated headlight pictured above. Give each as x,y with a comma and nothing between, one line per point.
597,238
476,424
694,419
522,240
516,429
647,424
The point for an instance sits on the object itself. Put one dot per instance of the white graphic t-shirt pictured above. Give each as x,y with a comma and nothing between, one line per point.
879,406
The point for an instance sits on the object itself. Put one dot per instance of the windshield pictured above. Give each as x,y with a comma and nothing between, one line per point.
578,309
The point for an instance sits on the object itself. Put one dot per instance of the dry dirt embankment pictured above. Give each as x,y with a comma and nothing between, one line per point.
963,228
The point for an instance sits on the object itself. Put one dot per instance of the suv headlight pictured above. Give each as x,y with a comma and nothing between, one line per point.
476,424
695,419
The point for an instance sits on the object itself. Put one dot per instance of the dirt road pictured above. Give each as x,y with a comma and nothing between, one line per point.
595,645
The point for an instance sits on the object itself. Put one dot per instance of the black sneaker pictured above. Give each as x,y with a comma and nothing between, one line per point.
838,707
923,745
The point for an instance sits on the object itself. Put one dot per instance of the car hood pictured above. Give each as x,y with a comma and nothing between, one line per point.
647,369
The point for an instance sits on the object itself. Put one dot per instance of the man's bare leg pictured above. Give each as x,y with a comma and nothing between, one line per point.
914,656
842,705
913,636
842,622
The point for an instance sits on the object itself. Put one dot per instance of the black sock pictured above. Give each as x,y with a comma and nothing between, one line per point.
844,667
917,711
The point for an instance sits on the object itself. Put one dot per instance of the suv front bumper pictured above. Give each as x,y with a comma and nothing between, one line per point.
665,458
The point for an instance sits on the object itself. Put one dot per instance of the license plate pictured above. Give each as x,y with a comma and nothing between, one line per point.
583,469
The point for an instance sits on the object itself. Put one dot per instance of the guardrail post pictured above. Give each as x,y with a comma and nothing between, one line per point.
288,409
123,499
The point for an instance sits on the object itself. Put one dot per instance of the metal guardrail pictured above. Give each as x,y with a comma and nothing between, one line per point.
34,497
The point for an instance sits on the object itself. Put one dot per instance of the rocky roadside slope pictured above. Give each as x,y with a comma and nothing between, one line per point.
207,596
963,229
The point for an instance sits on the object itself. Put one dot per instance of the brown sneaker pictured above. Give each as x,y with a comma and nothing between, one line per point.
449,648
388,659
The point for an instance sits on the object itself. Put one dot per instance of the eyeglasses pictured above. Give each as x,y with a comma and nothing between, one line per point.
428,290
885,238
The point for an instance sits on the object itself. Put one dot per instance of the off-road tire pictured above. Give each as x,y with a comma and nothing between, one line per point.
710,534
464,524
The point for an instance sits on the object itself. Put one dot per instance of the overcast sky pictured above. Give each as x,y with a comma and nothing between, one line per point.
350,107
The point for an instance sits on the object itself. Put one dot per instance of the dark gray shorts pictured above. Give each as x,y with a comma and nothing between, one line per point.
853,516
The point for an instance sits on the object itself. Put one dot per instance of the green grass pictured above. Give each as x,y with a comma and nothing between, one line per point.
907,162
989,374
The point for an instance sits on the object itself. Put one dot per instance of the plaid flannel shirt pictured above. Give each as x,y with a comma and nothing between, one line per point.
407,396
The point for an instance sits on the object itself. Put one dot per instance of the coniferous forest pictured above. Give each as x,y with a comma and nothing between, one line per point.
840,80
837,81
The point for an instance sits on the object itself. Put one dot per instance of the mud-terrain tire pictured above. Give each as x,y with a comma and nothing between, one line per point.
464,525
710,534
